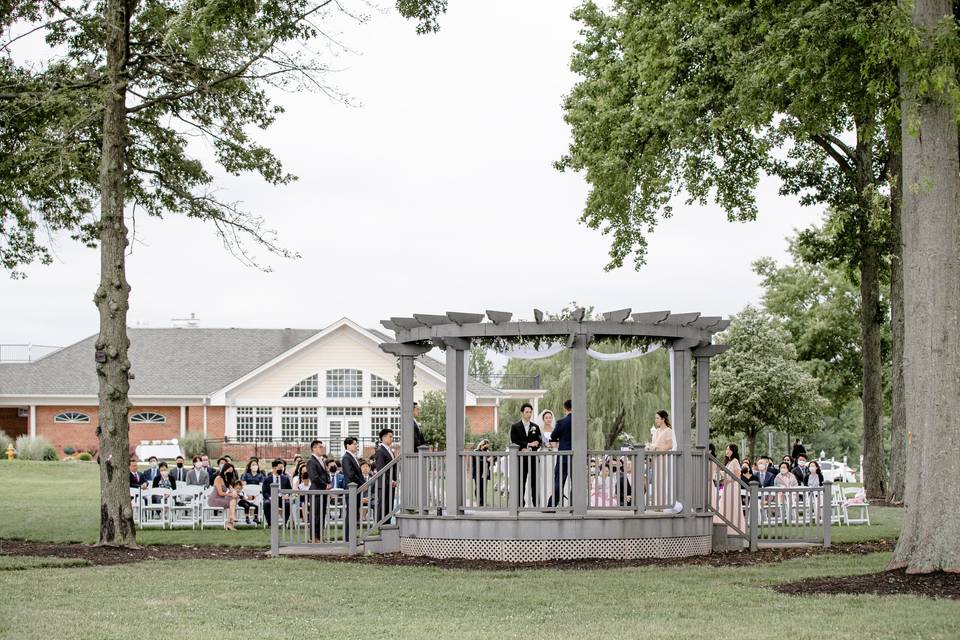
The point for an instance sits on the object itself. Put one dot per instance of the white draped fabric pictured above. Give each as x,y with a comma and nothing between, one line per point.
529,353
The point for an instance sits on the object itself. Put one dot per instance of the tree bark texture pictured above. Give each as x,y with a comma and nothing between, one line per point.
930,539
898,417
113,294
871,319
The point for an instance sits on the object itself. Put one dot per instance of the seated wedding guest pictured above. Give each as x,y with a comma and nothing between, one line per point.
205,460
179,472
785,478
295,465
154,469
366,469
746,474
801,471
282,480
765,474
814,475
252,474
137,481
244,503
336,477
198,476
224,496
164,480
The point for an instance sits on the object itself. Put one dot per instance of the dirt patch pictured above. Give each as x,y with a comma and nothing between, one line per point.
114,555
111,556
885,583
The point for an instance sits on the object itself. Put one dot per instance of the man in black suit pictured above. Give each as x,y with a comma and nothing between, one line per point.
351,474
526,435
137,481
563,437
319,480
179,472
387,483
418,439
282,480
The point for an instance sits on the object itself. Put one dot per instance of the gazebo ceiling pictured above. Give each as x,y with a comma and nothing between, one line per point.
692,327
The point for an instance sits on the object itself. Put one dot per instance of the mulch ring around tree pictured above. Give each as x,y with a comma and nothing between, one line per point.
113,555
885,583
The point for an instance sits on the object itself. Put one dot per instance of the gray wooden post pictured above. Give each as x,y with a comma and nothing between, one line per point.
274,521
754,515
827,512
578,463
638,476
456,412
513,487
406,404
680,413
352,517
703,401
423,481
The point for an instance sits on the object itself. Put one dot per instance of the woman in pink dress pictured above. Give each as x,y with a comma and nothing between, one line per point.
602,488
731,507
224,496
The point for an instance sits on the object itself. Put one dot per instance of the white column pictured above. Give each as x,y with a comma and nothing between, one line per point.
456,373
536,407
205,418
183,420
33,421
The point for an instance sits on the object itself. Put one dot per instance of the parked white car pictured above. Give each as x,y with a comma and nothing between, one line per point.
836,471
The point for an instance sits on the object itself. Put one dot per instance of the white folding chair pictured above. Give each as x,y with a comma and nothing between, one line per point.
251,492
183,506
838,507
213,516
862,508
154,510
135,502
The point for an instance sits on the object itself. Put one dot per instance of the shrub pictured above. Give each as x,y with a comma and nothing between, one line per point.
193,444
5,442
69,450
38,448
86,457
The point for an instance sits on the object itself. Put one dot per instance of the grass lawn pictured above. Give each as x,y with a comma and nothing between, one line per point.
59,502
309,599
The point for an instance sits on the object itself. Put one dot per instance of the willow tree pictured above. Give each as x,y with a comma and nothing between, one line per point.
930,539
685,97
102,126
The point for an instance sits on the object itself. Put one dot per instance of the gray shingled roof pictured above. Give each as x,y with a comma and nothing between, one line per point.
165,362
173,362
474,386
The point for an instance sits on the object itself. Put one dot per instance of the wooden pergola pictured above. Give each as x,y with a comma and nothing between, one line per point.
688,336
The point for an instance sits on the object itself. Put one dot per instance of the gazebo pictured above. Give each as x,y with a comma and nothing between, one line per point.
612,504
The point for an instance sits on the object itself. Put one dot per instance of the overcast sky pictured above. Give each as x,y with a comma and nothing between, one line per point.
434,193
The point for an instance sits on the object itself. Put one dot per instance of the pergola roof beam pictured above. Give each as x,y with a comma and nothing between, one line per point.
429,320
620,315
465,318
499,317
650,317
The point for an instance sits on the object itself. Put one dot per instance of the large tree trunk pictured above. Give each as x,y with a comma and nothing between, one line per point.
930,539
874,473
113,294
898,417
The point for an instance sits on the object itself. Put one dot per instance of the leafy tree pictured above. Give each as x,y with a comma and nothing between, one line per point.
758,384
480,366
702,98
433,420
105,123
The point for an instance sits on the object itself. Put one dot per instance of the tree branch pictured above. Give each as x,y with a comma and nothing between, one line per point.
823,141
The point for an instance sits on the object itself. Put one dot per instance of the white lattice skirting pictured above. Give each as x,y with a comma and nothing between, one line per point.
540,550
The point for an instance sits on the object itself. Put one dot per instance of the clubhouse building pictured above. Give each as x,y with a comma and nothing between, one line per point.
233,385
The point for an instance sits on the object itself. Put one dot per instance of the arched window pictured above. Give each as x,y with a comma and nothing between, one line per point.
344,383
148,417
380,388
72,416
306,388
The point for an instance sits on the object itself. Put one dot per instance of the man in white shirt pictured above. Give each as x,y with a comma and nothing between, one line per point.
526,435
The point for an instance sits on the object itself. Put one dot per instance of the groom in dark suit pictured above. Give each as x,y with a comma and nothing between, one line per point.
387,483
319,480
351,473
526,435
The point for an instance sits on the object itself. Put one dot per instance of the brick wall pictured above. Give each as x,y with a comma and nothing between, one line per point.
481,419
84,436
11,423
216,421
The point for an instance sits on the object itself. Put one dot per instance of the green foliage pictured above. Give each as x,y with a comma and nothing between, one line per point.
69,450
194,70
480,366
85,457
38,448
193,444
758,384
433,418
5,442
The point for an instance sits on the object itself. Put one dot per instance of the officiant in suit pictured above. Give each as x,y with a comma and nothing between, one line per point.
526,435
319,480
351,473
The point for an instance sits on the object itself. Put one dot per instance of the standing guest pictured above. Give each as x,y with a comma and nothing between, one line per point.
418,439
731,507
253,474
198,476
137,481
382,457
351,475
798,450
562,438
295,466
526,435
814,475
480,472
153,471
801,470
319,481
224,496
282,480
179,472
785,478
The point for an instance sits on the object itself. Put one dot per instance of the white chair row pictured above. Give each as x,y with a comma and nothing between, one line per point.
186,506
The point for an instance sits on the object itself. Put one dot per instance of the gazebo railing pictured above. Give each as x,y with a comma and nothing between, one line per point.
431,488
537,494
485,484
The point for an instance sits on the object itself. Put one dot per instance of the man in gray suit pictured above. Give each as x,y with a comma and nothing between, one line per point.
198,475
